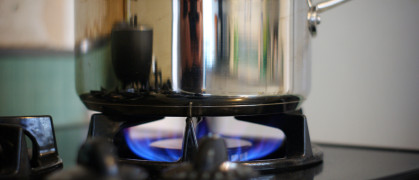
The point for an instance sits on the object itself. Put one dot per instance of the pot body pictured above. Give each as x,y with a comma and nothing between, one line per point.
210,57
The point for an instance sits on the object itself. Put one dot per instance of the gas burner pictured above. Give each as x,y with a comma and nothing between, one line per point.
18,160
295,152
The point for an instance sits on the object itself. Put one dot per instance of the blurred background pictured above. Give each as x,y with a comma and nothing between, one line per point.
365,71
365,75
37,67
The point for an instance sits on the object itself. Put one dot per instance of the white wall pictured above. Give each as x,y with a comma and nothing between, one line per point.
37,24
365,81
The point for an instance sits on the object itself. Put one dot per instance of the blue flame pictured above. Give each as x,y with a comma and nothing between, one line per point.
259,147
202,129
142,147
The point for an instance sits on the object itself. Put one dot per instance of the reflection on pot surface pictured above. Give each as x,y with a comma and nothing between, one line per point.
215,57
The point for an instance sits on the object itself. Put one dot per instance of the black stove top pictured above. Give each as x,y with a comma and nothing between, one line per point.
339,162
351,162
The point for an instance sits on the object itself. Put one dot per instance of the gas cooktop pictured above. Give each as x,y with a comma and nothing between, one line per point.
339,162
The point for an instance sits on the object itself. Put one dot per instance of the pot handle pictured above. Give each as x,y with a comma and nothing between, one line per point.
313,14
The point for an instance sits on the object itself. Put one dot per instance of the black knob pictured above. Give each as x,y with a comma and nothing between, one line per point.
211,154
97,160
210,162
98,156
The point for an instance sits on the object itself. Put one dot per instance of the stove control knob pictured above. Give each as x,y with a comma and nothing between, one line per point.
212,152
210,162
97,160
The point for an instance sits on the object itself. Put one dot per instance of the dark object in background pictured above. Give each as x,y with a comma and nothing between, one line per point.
132,48
97,160
19,161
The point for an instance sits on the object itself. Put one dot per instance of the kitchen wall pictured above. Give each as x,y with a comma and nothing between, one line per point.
37,62
37,68
36,83
365,80
42,83
45,24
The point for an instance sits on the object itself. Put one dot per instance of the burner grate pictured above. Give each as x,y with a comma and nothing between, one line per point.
16,161
297,152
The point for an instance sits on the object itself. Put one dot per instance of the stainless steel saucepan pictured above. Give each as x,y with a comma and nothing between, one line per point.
195,57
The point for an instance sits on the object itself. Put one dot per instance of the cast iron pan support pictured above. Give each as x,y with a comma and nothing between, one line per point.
190,142
108,126
13,147
298,148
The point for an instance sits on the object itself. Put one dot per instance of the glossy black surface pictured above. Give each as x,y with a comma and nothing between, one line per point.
346,162
174,104
20,160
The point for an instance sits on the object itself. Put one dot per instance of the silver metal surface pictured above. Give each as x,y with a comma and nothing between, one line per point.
313,17
232,49
328,4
